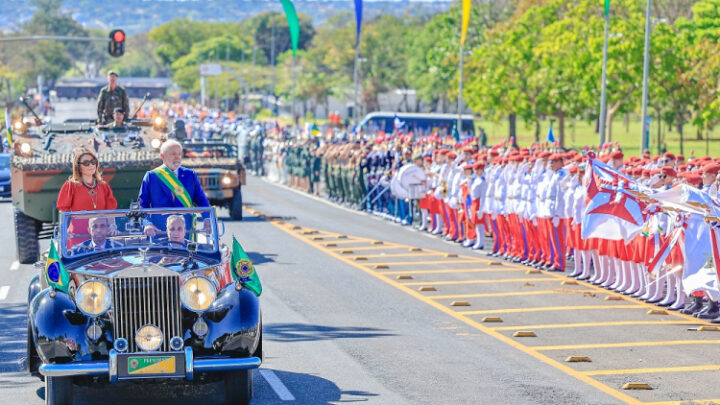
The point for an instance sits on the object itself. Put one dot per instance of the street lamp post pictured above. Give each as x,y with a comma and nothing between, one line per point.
460,89
603,91
355,84
646,68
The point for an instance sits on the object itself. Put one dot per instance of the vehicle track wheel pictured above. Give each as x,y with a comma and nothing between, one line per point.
26,238
238,387
236,206
58,391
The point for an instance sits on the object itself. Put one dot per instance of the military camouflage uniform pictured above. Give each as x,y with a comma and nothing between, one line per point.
108,100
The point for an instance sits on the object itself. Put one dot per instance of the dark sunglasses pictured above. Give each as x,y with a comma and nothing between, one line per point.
92,162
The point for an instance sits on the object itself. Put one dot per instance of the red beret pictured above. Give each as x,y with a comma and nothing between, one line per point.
680,157
556,156
494,153
694,179
428,159
444,151
712,168
516,158
452,155
669,171
467,167
669,155
479,165
544,154
616,155
468,150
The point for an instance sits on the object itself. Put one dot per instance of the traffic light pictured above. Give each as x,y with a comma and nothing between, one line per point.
116,47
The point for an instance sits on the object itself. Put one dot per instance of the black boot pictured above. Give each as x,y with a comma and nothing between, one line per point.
710,311
694,306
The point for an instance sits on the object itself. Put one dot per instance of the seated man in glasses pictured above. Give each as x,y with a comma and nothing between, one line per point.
100,228
176,230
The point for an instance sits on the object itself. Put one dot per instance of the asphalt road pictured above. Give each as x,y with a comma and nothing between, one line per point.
350,319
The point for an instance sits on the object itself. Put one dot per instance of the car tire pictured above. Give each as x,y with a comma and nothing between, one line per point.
238,387
33,359
26,238
58,391
236,206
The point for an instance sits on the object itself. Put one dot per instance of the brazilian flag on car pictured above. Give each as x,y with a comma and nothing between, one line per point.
55,272
243,269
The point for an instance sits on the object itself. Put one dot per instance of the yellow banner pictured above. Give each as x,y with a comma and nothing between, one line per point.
465,20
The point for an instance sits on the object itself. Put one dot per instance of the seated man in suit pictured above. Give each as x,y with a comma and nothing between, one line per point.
176,230
171,185
99,228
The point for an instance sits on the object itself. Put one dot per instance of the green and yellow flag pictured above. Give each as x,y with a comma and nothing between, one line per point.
314,130
55,272
243,269
607,8
8,127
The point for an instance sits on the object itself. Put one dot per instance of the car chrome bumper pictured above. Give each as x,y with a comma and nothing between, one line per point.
109,367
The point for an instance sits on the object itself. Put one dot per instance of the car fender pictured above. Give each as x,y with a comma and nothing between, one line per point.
34,287
58,328
234,322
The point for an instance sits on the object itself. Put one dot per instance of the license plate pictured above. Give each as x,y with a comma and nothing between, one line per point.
143,365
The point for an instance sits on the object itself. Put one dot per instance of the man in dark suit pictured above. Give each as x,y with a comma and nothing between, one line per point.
171,185
99,228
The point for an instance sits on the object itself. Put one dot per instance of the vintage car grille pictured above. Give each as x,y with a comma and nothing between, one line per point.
209,180
139,301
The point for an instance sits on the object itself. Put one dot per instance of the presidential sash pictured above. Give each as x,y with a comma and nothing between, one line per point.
173,183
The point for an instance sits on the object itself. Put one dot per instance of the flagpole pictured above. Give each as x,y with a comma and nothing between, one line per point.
460,89
646,68
355,83
603,91
293,85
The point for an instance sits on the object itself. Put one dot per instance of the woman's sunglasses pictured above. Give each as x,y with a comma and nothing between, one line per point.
92,162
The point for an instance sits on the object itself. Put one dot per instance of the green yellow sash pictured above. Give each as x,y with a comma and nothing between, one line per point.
176,187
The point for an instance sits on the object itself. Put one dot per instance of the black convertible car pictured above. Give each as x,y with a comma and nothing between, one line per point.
114,305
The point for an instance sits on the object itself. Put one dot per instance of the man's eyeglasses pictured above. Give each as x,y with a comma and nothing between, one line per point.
92,162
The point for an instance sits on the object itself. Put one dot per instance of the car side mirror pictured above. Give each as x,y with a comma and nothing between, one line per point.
221,228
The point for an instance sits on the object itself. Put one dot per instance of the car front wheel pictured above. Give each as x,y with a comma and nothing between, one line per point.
238,387
58,391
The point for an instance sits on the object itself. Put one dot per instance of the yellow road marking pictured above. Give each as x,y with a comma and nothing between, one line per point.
502,294
627,344
593,324
373,247
415,254
445,271
544,309
470,322
427,262
344,241
685,402
712,367
502,280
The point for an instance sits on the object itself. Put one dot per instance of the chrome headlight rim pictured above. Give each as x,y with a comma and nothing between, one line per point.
213,289
78,293
160,343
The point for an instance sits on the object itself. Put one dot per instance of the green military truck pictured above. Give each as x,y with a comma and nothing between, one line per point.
220,170
42,161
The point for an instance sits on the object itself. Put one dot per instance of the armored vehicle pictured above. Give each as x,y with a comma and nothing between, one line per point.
219,169
41,161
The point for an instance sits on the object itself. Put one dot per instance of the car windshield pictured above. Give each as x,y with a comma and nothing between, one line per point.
87,232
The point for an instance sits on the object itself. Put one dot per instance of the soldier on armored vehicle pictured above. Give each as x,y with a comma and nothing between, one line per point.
111,97
42,161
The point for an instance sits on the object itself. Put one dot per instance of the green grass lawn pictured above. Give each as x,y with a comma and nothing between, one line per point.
581,133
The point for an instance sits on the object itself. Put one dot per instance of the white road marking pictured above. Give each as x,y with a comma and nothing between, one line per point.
4,290
280,389
15,265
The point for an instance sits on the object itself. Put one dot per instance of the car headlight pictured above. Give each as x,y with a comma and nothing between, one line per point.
25,148
158,121
149,337
155,143
197,293
93,298
226,180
